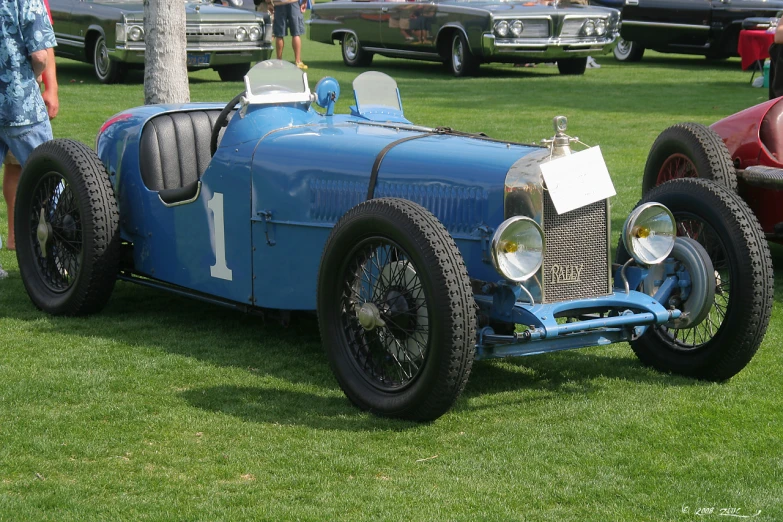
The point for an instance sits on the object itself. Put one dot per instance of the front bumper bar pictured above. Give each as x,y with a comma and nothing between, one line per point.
219,55
543,49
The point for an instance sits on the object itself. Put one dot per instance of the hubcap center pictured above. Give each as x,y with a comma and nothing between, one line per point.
43,232
369,316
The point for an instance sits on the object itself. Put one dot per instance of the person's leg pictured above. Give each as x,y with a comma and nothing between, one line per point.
10,182
22,141
296,43
297,29
279,29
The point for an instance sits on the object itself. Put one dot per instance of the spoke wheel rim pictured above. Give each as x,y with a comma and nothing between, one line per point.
695,338
101,58
351,47
677,166
380,273
58,260
456,54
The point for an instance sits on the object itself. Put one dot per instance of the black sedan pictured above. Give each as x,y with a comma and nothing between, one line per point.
463,34
706,27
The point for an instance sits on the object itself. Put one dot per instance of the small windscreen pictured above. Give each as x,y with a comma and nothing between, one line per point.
275,77
374,90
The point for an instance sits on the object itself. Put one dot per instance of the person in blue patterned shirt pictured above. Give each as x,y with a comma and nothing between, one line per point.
25,35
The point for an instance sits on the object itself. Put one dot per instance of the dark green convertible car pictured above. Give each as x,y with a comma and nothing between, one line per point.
109,34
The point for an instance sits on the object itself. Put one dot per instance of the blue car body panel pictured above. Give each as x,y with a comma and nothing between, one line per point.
278,212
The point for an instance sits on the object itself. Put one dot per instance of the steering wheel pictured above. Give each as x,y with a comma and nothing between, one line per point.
222,121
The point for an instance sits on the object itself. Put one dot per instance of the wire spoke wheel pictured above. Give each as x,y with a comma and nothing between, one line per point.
677,166
67,229
733,328
686,339
688,150
395,310
56,227
379,277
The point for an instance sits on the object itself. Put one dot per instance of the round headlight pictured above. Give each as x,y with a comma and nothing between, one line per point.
136,33
517,27
501,28
518,248
600,27
254,33
649,233
241,34
589,28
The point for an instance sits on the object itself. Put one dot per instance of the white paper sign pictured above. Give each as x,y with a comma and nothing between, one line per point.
577,180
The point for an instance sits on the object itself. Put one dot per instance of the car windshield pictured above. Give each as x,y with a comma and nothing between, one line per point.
276,81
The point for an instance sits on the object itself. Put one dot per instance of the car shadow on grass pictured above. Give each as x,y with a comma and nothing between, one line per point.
269,405
571,372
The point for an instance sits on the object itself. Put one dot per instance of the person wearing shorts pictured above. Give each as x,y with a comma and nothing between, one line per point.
288,17
26,39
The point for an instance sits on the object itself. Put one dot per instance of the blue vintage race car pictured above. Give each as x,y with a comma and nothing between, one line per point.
420,248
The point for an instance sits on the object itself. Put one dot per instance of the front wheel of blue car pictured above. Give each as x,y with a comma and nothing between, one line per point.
67,229
396,310
721,344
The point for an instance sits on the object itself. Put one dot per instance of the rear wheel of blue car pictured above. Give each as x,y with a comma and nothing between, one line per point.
396,310
353,54
67,229
724,342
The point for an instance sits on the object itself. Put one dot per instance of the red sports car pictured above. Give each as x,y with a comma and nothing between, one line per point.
743,151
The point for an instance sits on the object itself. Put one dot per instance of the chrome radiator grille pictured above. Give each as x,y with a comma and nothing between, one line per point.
213,32
576,261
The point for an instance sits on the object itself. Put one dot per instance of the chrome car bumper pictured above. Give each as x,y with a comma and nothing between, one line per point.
515,49
217,55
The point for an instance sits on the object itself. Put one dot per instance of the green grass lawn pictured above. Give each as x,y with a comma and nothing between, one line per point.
162,408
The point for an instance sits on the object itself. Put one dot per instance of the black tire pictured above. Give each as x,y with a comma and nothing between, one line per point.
233,73
353,54
106,70
689,150
626,51
461,61
572,66
424,298
65,198
728,338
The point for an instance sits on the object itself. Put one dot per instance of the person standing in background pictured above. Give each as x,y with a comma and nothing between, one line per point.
288,17
27,42
776,64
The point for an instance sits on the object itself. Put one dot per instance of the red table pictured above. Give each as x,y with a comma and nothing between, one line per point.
753,46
